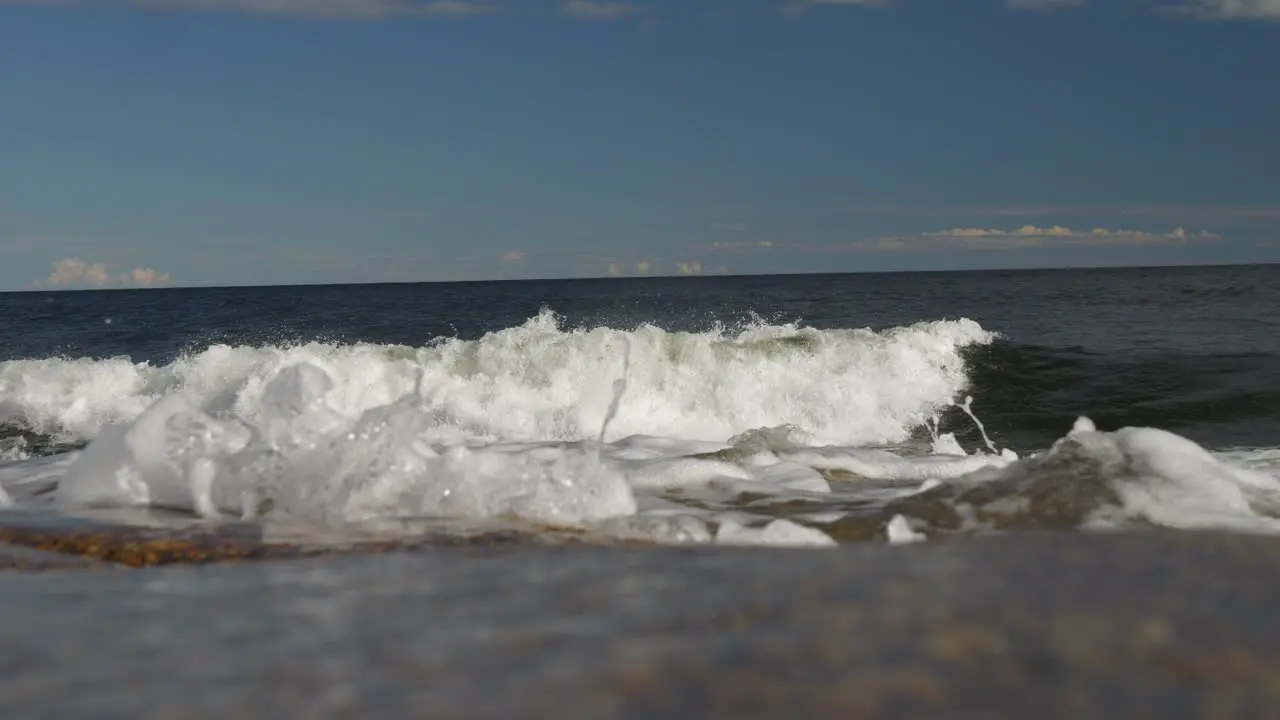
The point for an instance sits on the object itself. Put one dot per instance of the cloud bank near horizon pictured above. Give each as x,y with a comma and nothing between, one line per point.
1030,236
1026,237
73,272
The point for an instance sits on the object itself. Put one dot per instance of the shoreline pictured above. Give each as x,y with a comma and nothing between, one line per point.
1147,624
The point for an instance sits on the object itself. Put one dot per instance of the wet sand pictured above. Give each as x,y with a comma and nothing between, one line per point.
1158,625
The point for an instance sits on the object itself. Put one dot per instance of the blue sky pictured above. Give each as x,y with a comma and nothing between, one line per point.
206,142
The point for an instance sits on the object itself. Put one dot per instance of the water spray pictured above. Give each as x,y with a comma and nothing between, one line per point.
619,387
967,407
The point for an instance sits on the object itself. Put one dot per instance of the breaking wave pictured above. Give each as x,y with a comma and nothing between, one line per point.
778,434
539,381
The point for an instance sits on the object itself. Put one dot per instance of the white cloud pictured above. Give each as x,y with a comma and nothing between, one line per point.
329,9
1024,231
643,267
740,245
800,6
1042,5
1268,10
1030,236
147,277
74,272
458,8
685,268
1025,237
600,9
514,256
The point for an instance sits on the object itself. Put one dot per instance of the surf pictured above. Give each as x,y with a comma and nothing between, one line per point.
774,434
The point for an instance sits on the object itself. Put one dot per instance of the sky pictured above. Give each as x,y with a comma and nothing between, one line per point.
250,142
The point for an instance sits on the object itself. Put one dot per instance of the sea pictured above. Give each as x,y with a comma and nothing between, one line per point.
809,410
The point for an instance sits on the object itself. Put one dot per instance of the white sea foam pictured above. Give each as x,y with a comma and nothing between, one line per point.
538,381
514,423
1158,476
308,460
900,532
586,427
777,532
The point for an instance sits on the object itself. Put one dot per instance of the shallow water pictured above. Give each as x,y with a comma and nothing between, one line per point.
1147,625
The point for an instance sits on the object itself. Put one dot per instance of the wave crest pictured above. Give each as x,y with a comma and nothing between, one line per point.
540,381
